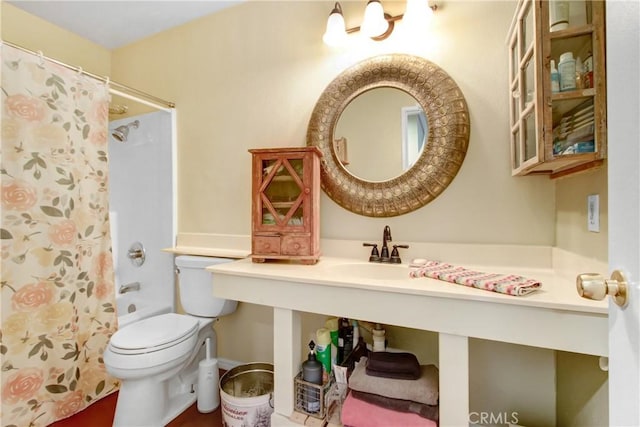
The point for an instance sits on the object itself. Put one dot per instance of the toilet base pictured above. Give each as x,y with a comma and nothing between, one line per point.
142,405
154,402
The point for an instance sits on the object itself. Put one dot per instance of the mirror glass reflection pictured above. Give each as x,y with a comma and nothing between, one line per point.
380,134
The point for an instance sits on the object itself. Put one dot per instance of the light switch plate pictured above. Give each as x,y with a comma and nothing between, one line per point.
593,213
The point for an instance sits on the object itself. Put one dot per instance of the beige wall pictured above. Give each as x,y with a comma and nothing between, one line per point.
249,77
34,33
571,214
582,391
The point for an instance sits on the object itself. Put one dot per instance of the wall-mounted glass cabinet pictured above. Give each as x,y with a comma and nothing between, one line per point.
557,87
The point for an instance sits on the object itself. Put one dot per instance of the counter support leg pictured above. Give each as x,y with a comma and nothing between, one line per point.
286,357
454,380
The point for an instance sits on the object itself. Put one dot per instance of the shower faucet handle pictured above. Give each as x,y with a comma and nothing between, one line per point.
137,254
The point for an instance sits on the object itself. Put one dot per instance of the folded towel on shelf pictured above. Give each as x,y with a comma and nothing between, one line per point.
423,390
358,413
509,284
385,364
429,412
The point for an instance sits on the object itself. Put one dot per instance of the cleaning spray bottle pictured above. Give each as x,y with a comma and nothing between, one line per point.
312,373
208,377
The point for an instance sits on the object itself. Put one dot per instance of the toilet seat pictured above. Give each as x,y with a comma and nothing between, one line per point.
154,334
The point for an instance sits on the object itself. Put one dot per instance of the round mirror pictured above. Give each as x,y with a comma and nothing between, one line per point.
382,132
439,154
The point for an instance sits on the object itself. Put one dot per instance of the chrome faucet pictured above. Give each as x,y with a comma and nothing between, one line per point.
133,286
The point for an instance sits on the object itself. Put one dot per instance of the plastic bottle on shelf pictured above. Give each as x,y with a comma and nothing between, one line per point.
345,339
579,74
356,333
558,15
555,78
323,351
587,76
567,70
379,340
332,326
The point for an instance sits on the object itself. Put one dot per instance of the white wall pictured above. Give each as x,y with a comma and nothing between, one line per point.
140,192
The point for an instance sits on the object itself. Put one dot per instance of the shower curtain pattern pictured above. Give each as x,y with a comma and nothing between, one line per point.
57,275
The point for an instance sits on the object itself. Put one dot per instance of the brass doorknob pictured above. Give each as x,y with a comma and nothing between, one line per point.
595,286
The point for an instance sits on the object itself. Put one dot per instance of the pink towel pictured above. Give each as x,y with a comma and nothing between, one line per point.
358,413
509,284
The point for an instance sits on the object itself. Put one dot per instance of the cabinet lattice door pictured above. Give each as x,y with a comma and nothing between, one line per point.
285,208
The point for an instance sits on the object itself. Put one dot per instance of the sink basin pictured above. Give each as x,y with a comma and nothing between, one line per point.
371,271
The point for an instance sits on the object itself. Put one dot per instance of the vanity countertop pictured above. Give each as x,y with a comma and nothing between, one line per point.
558,292
553,317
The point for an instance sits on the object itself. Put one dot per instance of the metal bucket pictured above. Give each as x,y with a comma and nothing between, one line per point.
246,393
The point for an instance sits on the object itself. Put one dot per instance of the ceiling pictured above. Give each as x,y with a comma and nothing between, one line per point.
116,23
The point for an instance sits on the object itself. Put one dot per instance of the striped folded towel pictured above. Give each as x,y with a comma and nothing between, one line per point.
509,284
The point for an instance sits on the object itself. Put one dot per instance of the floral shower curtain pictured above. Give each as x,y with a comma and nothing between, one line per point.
58,301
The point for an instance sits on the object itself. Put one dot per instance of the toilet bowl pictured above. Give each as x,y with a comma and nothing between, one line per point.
156,359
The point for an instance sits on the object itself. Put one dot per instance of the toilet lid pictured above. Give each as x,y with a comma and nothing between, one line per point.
154,333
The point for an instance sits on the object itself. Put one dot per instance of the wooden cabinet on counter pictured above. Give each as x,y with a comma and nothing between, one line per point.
557,130
286,204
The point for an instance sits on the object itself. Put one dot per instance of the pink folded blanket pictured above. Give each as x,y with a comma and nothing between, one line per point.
429,412
509,284
358,413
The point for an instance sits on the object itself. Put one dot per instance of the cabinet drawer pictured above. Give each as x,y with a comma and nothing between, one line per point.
266,245
295,245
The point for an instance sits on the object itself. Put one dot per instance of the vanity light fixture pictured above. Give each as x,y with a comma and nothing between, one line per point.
376,24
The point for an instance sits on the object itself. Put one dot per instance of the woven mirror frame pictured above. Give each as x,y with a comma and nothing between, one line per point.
443,153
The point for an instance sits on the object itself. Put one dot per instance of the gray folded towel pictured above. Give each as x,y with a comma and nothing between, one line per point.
423,390
404,366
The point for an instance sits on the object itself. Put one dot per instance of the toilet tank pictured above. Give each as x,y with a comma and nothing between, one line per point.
196,287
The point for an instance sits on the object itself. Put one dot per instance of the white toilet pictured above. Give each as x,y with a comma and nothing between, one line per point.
156,359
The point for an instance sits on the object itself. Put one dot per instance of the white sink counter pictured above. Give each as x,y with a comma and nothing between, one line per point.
557,292
553,317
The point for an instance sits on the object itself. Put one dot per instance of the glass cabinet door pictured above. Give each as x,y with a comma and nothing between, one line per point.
282,192
524,122
557,87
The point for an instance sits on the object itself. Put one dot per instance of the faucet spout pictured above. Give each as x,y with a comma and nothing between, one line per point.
133,286
386,237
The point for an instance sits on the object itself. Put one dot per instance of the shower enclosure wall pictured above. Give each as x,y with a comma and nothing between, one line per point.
142,207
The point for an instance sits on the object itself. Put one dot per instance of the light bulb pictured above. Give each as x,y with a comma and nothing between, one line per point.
417,15
374,23
335,33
